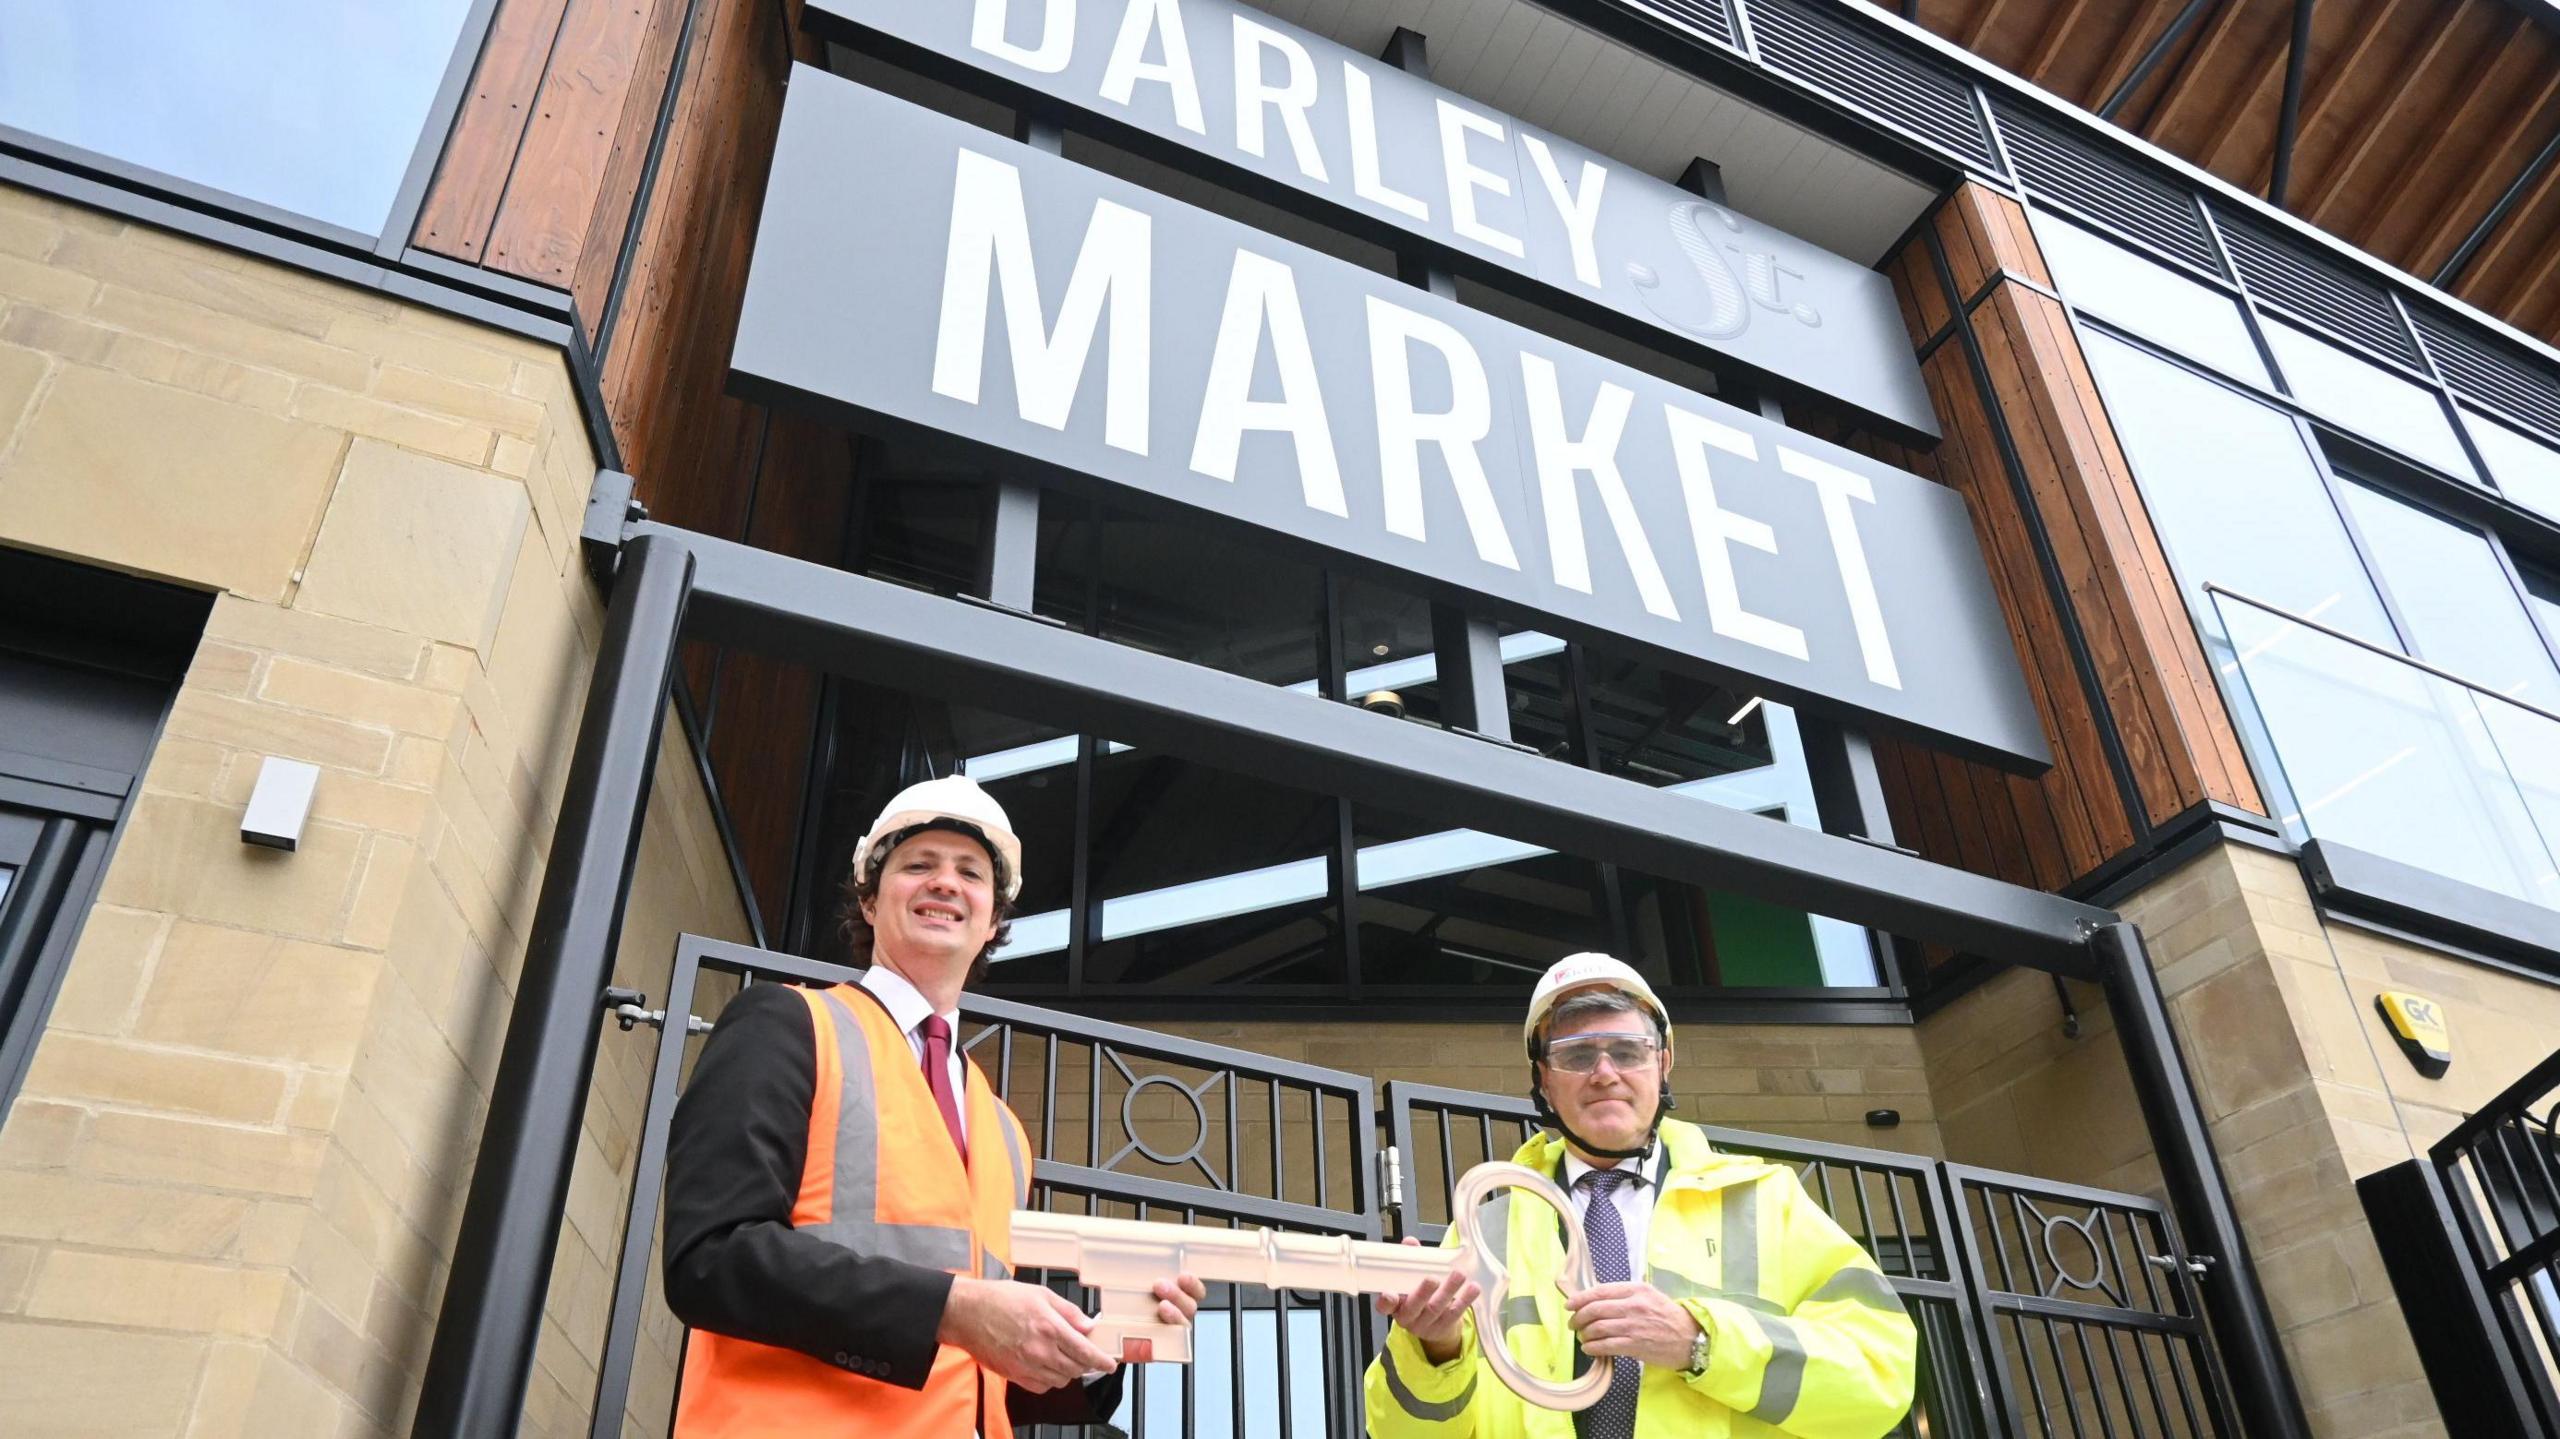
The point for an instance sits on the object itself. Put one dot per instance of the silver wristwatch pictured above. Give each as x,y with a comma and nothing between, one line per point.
1697,1355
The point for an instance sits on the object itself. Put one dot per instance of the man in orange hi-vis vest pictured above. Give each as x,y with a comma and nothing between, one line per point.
841,1180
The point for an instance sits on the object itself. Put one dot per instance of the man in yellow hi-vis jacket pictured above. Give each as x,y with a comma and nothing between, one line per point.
1727,1301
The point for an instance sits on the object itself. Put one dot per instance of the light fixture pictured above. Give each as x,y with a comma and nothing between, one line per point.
1384,702
1379,650
1744,713
278,803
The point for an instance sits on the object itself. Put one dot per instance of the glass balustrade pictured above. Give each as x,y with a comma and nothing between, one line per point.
2398,759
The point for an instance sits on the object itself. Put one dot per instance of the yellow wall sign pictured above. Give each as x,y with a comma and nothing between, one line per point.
2419,1024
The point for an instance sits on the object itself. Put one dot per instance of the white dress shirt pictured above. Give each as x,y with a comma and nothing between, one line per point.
908,1006
1634,1201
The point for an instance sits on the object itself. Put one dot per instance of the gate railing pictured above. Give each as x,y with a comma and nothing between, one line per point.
2471,1236
2043,1309
2023,1332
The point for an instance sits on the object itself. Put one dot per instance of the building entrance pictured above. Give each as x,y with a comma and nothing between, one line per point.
2043,1308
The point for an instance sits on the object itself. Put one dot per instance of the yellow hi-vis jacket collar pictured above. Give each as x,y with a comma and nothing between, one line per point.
1805,1335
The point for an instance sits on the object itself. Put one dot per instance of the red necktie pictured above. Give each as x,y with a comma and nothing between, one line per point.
937,1075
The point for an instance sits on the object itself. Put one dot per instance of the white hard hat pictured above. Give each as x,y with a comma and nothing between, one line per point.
1586,971
953,802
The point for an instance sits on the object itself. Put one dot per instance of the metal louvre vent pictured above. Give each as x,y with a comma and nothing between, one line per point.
1705,17
2349,308
2492,372
2137,205
1871,72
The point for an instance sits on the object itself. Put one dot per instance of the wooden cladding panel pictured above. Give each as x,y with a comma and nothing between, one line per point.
2082,819
601,250
1986,234
463,203
2111,658
700,458
688,444
541,173
2176,732
559,173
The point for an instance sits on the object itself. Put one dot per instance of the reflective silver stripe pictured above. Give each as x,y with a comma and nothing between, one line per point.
1783,1379
990,1267
1405,1400
1680,1286
1518,1310
1741,1239
854,1214
857,1184
1860,1285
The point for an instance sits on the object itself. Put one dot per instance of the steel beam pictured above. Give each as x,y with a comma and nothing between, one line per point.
1473,695
492,1314
2525,180
2289,118
2244,1327
816,615
2151,58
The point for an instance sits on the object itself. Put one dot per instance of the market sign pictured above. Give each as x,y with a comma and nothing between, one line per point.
1297,118
917,274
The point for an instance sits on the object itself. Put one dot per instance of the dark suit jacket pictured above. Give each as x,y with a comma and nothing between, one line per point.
734,1264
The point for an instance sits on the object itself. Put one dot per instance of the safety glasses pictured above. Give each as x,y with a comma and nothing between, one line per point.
1582,1053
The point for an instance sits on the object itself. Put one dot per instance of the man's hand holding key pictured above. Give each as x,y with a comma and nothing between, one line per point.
1438,1287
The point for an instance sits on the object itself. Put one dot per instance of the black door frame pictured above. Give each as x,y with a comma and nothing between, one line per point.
671,586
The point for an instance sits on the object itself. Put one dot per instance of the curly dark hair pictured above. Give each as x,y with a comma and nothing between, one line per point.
858,935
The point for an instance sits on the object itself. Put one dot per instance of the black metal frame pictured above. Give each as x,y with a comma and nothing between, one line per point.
1936,1229
671,585
994,1030
1976,1289
2471,1236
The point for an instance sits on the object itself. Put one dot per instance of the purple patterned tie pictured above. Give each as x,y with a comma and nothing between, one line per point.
1614,1417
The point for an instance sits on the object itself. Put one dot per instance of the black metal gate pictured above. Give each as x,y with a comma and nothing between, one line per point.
2044,1310
2471,1235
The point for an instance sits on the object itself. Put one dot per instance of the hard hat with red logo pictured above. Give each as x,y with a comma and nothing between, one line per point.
1574,974
1588,971
955,803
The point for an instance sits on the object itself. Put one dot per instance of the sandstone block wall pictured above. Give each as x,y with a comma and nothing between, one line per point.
229,1189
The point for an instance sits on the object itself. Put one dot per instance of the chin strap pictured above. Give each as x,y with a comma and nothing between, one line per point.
1547,1116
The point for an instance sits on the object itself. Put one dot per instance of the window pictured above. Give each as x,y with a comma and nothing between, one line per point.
2235,492
2526,469
88,662
2150,299
2453,595
311,107
2366,398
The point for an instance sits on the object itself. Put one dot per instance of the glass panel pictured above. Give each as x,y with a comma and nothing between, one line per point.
924,533
1679,732
2235,493
6,875
1195,593
1211,1377
2368,399
2527,469
2391,759
2149,298
2462,614
1203,878
1441,906
1017,762
311,106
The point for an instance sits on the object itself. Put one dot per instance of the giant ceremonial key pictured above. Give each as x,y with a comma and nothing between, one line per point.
1124,1257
